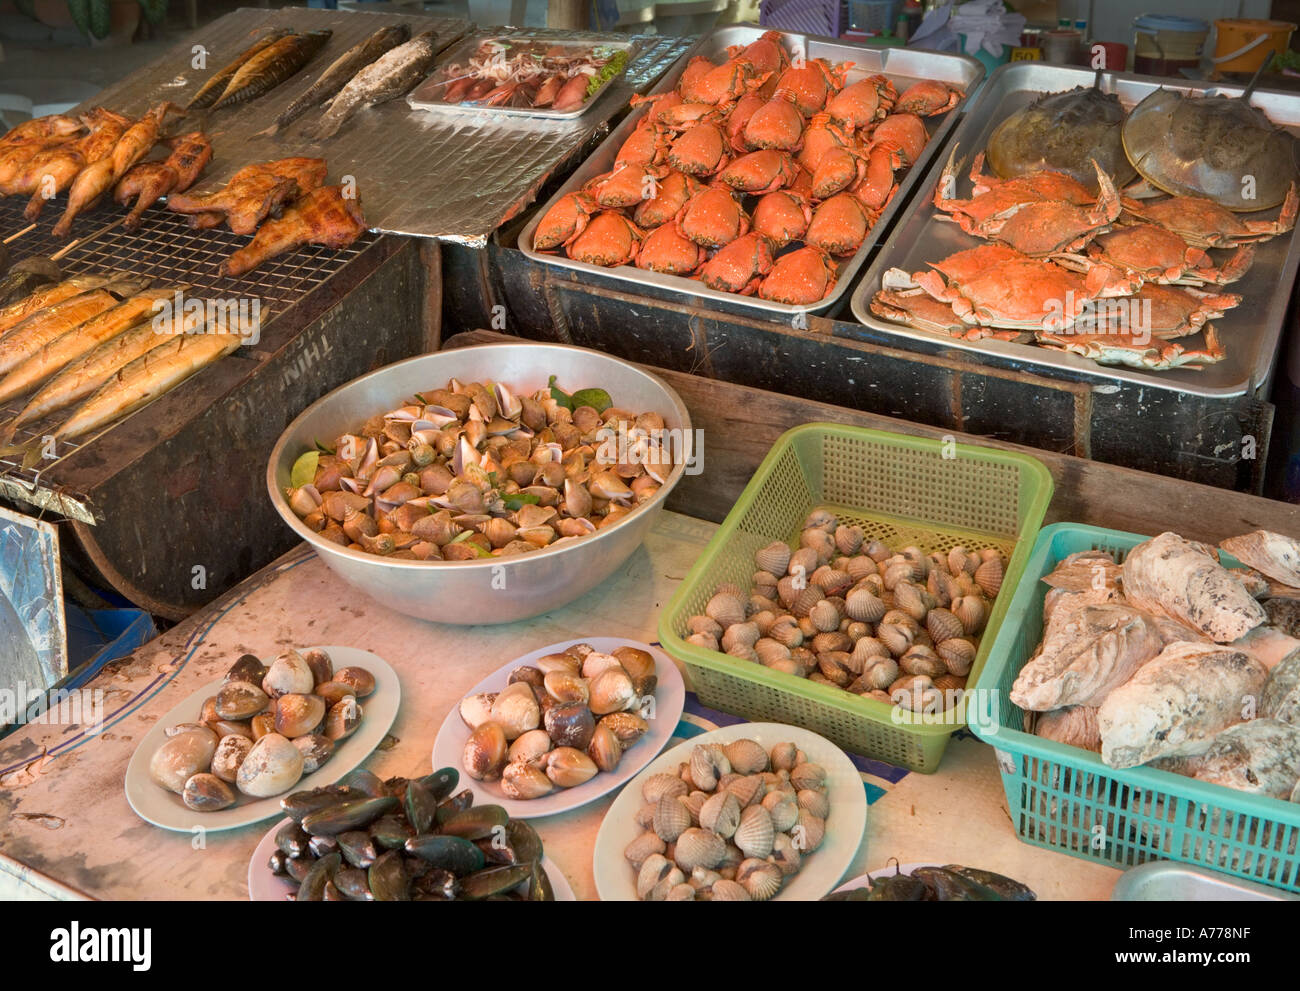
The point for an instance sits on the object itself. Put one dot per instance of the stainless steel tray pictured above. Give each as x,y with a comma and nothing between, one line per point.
1163,881
1248,333
903,66
425,96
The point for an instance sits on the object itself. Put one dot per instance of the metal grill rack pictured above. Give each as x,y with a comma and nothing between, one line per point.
168,250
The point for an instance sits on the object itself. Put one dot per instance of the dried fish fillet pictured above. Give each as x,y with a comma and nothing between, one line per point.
1171,576
1178,703
1086,654
1261,757
1273,555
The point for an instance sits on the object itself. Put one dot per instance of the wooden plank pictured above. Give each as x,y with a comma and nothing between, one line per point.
740,425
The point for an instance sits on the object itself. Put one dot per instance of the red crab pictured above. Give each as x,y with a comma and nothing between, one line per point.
905,131
646,145
837,170
1205,224
821,136
760,172
863,103
564,221
813,83
681,116
839,225
766,52
776,124
1121,260
609,239
688,85
626,186
729,82
700,150
738,119
664,250
782,216
713,218
658,103
877,186
805,275
740,266
670,196
928,98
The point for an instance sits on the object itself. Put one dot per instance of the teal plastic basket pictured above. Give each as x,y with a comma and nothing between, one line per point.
1066,799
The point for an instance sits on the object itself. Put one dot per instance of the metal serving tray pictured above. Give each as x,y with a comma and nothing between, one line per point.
427,96
1163,881
1248,333
903,66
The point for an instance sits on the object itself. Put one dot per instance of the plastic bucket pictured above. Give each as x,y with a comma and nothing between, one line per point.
1165,44
1243,45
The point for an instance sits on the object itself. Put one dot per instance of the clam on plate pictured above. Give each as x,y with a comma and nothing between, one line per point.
669,697
263,886
157,805
821,869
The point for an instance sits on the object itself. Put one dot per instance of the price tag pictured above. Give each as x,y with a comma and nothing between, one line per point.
1026,55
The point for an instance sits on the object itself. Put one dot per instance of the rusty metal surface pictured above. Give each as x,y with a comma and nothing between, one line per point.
169,252
432,175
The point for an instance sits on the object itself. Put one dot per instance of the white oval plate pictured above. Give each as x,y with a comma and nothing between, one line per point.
670,696
863,880
263,886
822,869
161,807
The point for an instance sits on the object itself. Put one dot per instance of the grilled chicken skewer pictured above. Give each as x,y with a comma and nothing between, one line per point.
148,182
253,192
98,177
323,216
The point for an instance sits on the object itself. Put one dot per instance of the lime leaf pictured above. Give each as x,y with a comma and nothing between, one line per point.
323,449
304,469
520,499
597,399
560,396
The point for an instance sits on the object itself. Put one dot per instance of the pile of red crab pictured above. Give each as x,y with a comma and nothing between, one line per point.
1113,278
752,176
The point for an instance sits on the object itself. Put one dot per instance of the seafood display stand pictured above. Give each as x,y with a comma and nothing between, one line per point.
69,833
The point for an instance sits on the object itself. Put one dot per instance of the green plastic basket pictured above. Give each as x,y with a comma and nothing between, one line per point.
1066,799
901,490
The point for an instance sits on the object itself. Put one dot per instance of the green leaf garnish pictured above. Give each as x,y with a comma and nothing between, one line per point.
559,395
597,399
518,500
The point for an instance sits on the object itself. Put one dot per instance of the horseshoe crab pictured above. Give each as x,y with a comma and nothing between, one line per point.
1217,146
1061,132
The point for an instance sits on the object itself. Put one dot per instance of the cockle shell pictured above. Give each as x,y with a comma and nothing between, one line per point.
702,878
880,672
922,660
771,651
775,557
848,539
895,637
860,566
788,589
703,624
825,616
803,563
761,879
764,619
755,834
824,642
694,802
988,576
658,786
950,682
808,775
740,635
897,573
725,609
706,640
786,632
721,814
747,789
958,655
643,847
833,581
671,819
814,801
729,891
758,603
699,848
943,624
808,832
803,603
784,756
972,613
654,869
783,809
867,648
818,541
861,605
680,893
912,599
784,855
704,773
746,756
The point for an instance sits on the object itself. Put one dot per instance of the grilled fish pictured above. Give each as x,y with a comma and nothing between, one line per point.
59,352
83,377
148,182
148,377
214,87
323,216
18,311
53,322
254,191
26,277
270,67
98,177
393,74
341,70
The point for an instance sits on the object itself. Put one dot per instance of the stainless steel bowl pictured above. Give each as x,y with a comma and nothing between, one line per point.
491,590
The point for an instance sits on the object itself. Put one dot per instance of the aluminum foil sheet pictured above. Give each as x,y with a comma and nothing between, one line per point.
455,177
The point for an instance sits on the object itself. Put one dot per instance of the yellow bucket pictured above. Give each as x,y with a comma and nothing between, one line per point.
1243,45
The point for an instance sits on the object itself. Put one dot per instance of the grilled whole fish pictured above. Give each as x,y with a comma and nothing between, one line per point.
271,66
83,377
46,325
39,299
57,353
391,75
148,377
340,71
323,216
26,277
214,87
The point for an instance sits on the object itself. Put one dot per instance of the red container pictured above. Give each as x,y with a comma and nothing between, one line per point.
1110,56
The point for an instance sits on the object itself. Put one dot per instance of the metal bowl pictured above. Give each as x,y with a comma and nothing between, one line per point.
491,590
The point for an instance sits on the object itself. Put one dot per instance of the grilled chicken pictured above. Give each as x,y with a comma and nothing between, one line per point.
323,216
148,182
53,171
254,192
98,177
